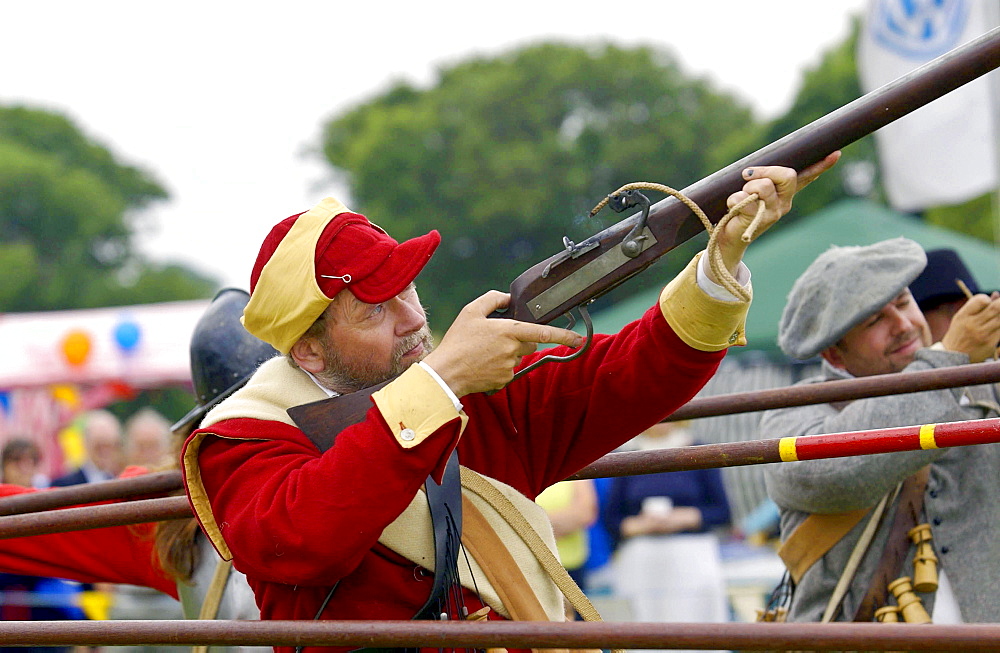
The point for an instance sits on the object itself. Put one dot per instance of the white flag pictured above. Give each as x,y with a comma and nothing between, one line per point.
945,152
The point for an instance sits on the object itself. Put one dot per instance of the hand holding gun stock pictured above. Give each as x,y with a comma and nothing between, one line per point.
586,270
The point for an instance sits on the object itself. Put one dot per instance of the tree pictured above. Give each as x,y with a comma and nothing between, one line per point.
67,220
506,155
976,217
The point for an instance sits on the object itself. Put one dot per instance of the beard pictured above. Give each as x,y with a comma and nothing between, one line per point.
350,375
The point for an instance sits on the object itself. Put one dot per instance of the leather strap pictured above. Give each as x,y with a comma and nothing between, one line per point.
216,588
503,572
911,501
812,538
548,561
817,533
850,569
445,503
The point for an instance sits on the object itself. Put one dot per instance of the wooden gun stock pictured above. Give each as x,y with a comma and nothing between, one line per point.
598,264
322,420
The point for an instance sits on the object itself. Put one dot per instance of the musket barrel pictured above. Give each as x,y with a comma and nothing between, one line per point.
861,117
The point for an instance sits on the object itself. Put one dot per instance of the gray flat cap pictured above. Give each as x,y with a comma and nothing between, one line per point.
842,287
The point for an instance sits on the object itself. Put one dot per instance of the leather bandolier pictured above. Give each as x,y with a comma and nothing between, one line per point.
818,533
890,566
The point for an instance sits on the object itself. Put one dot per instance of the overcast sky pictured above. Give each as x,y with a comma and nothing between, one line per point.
222,101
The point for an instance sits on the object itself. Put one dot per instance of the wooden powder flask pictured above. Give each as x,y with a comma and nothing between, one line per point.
887,614
774,614
925,577
910,605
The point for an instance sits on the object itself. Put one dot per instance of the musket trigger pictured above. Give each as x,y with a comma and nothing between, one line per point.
550,358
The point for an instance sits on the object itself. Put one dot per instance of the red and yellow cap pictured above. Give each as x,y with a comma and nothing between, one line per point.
308,258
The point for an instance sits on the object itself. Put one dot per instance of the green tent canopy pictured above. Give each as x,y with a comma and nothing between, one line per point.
778,258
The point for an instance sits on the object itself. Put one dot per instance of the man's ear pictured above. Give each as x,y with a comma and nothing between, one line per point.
833,356
308,354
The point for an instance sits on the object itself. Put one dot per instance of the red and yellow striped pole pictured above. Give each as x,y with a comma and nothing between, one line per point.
902,438
803,447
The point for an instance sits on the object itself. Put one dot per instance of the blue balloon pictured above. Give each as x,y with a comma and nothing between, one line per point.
127,335
5,401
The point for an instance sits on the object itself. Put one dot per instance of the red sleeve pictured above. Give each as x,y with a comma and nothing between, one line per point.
292,515
119,554
561,417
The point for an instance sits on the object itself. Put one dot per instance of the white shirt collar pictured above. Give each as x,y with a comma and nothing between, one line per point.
328,391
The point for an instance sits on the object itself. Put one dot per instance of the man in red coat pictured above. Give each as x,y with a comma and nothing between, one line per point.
345,533
116,554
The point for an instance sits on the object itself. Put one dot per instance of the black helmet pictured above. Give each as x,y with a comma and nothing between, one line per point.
223,354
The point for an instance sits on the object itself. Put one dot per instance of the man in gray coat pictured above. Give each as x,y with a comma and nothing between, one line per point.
853,308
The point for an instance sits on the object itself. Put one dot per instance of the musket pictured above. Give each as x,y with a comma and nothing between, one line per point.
584,271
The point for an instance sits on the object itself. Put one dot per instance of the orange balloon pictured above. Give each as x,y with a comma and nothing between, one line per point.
76,347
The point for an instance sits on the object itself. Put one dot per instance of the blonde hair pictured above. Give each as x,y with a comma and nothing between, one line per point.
174,540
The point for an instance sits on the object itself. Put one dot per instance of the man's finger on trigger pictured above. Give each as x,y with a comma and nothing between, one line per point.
566,337
548,334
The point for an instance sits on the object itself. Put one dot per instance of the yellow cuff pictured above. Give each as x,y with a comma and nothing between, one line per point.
703,322
414,406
